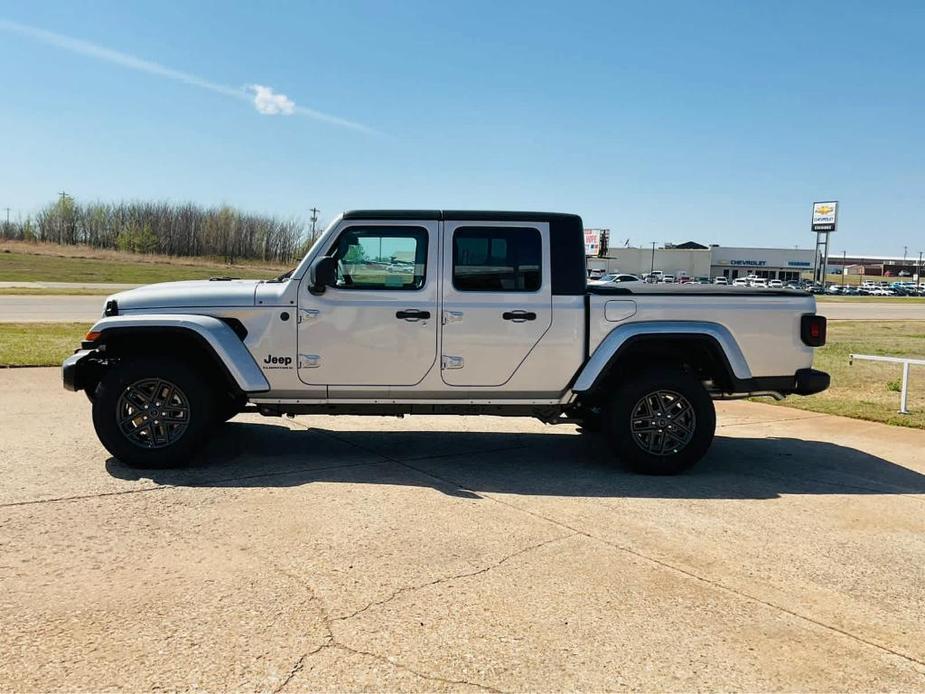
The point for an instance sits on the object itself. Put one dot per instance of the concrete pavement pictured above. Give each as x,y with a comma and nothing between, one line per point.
892,309
50,308
458,553
103,287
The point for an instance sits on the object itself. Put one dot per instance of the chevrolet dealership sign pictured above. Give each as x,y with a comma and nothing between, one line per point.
825,216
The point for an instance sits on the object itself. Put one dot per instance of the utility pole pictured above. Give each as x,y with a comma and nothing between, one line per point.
919,278
652,269
314,220
844,269
60,217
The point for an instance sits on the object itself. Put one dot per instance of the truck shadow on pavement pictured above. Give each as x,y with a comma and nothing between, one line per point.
467,463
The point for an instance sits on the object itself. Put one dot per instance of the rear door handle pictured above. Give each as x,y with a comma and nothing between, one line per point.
412,314
518,316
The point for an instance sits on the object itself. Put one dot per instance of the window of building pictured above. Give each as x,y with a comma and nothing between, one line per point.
381,258
497,259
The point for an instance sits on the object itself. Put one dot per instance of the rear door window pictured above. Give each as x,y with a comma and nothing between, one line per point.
497,259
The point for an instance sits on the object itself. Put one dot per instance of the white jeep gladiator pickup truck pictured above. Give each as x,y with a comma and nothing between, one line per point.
397,312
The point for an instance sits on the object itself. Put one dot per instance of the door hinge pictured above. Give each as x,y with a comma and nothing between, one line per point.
449,362
308,314
309,361
452,317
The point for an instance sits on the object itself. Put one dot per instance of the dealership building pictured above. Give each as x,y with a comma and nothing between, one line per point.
697,260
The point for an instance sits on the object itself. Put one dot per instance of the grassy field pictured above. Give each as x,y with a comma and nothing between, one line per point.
866,390
22,262
869,390
38,344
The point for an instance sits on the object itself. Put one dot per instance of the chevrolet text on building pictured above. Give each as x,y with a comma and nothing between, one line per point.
442,312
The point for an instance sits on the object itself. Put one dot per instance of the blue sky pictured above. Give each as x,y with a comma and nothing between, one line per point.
664,121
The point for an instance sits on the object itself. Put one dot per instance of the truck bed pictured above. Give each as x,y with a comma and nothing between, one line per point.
764,322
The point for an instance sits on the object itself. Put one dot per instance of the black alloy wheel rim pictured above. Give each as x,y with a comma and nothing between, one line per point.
663,423
153,413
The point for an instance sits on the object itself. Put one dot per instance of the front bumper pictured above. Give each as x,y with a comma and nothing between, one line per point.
76,368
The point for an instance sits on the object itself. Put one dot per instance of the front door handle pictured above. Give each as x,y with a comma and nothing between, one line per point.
518,316
412,314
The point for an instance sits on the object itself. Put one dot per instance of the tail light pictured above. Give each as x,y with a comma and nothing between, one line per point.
812,330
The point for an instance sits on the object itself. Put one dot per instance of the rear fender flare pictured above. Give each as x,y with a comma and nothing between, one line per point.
608,352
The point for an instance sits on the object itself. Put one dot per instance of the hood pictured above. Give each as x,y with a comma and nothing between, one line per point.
197,293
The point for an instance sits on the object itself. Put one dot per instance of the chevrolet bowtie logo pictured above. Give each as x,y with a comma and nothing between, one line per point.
824,209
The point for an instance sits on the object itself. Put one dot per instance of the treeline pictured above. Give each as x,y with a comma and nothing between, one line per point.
162,227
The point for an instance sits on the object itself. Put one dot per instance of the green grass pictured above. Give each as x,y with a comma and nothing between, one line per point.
39,344
868,390
26,267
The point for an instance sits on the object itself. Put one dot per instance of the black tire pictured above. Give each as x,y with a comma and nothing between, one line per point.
591,423
121,424
226,408
661,421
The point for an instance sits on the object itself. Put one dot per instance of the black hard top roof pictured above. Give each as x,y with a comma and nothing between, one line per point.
464,215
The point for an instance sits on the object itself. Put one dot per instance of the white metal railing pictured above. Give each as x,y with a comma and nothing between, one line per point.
906,362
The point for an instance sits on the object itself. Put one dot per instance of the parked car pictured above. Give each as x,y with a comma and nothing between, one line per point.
667,279
740,282
775,284
511,327
720,281
759,282
615,278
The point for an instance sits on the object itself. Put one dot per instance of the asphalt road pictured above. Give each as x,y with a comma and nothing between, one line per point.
891,309
458,553
50,308
88,308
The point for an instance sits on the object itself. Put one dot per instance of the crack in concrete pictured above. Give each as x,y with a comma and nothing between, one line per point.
294,670
688,573
764,422
406,668
446,579
331,641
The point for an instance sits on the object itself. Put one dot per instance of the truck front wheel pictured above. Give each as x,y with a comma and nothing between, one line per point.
661,421
151,412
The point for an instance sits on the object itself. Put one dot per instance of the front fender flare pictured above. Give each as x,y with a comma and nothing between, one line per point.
225,345
609,350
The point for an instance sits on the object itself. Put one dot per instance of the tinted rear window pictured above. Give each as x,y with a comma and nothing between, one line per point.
497,259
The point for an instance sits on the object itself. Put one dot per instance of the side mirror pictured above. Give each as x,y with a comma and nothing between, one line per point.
322,273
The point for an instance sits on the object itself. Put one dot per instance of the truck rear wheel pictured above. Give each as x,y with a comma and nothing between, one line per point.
661,421
152,413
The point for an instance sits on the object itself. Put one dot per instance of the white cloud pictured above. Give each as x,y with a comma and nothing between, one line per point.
264,99
269,103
